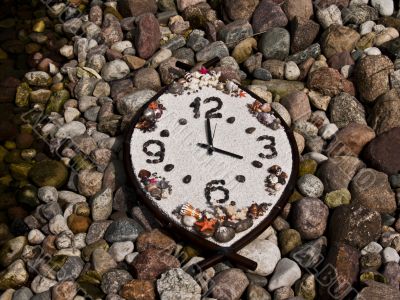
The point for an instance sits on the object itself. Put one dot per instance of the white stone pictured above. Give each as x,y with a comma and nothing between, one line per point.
47,194
42,284
310,186
318,157
367,27
372,51
300,141
188,221
70,197
379,28
71,130
267,233
385,7
58,224
64,240
319,100
121,46
287,272
330,15
79,240
347,71
372,247
102,205
68,252
35,237
292,71
130,257
328,131
120,250
358,2
387,35
162,55
390,254
114,70
71,114
265,253
67,51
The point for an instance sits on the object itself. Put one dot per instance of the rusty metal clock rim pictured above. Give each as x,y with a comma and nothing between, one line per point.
186,234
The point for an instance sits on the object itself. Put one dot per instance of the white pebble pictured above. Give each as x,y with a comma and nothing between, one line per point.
67,51
42,284
367,27
71,114
188,221
328,131
292,71
318,157
358,2
64,240
385,7
130,257
120,250
47,194
287,272
389,254
80,240
121,46
372,51
35,237
330,15
372,247
379,28
58,225
347,71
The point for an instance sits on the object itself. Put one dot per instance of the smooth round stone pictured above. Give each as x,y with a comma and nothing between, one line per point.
182,121
47,194
262,74
187,179
310,186
372,247
231,120
243,225
164,133
250,130
188,221
240,178
257,164
372,51
390,254
224,234
292,71
367,27
35,237
120,250
385,7
169,167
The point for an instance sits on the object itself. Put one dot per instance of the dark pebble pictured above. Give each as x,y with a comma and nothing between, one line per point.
164,133
182,121
187,179
169,167
144,174
250,130
231,120
240,178
224,234
257,164
243,225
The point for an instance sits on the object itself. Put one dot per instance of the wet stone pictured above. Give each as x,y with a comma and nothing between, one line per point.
257,164
169,167
250,130
187,179
164,133
231,120
240,178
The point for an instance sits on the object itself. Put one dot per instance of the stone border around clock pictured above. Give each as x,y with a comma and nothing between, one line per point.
195,237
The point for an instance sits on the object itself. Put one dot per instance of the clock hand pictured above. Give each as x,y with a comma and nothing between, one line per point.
205,146
209,136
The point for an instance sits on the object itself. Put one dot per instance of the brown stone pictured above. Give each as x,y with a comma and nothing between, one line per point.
78,224
237,10
138,290
134,62
303,33
354,225
223,288
371,189
268,15
155,239
135,8
329,82
298,8
65,290
372,76
340,59
151,263
337,39
337,172
298,106
147,35
350,140
378,291
340,271
386,112
309,217
305,68
275,67
382,152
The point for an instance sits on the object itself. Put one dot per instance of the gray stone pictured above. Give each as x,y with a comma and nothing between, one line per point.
262,74
71,269
215,49
177,284
310,254
23,293
275,43
132,102
196,40
70,130
113,280
310,186
101,206
123,230
96,231
114,70
235,32
47,194
287,272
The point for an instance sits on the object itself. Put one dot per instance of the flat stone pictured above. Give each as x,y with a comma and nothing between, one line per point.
14,276
376,290
123,230
148,35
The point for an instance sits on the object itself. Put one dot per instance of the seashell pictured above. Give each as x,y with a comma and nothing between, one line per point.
266,107
188,210
189,221
158,113
278,186
272,179
256,106
144,174
231,86
220,86
275,169
188,76
163,184
224,234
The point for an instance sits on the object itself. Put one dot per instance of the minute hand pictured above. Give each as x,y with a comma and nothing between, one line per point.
227,153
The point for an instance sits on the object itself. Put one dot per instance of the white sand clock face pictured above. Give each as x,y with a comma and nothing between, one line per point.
220,193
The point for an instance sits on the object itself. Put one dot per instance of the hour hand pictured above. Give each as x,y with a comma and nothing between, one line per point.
205,146
209,136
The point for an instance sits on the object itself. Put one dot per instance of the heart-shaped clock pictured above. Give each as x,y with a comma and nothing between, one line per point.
212,161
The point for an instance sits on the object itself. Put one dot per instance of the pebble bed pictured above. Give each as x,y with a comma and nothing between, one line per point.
72,75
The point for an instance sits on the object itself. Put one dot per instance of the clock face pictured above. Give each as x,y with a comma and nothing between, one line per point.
212,158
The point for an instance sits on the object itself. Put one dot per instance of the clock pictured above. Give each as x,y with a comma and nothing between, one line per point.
211,160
